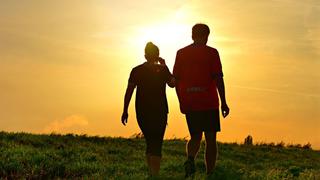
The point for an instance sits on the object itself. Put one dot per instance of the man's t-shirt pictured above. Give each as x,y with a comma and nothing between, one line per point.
151,82
195,70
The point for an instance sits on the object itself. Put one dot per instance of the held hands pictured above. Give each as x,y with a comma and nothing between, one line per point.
225,110
162,61
124,118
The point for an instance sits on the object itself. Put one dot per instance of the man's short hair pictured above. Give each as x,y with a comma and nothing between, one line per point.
200,30
151,49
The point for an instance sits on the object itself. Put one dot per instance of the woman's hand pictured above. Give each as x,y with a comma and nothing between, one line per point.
162,61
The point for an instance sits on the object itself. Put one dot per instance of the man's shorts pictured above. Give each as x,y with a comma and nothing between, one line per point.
203,121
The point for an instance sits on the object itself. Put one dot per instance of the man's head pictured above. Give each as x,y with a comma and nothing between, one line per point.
200,33
151,52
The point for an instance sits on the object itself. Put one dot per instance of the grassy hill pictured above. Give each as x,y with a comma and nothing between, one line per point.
71,156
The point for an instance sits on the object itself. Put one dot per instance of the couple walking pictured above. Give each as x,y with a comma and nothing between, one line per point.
198,78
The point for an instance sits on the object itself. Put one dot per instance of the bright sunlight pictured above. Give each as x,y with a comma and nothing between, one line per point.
169,37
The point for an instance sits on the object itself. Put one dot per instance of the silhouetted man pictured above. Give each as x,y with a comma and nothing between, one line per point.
198,74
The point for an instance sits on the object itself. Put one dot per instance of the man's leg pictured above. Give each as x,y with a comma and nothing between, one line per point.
192,148
193,145
211,151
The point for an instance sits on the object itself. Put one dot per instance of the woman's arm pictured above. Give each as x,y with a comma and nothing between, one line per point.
171,82
127,98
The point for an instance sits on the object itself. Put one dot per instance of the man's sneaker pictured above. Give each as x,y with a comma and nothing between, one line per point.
189,168
210,176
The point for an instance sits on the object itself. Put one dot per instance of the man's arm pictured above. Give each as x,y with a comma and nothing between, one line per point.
224,107
127,98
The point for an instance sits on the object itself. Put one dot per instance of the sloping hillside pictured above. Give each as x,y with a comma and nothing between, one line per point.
72,156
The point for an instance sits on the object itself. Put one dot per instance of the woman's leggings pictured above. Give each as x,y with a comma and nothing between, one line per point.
153,127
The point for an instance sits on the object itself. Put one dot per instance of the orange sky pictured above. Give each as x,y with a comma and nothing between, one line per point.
64,65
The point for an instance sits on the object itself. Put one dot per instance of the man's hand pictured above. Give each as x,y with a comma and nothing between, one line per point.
162,61
225,110
124,118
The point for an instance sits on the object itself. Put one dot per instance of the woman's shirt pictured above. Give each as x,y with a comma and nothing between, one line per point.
150,80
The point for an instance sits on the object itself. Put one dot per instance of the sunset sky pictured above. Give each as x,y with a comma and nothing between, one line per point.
64,65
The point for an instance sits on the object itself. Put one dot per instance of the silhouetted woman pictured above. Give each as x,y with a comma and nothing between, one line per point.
150,78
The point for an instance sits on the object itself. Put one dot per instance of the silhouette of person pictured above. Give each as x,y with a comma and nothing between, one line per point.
198,74
150,78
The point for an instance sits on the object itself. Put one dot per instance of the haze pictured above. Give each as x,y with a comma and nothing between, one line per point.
64,65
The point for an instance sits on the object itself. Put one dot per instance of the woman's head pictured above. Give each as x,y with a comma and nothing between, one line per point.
151,52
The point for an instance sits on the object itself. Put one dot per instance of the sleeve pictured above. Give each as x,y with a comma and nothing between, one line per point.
133,77
216,67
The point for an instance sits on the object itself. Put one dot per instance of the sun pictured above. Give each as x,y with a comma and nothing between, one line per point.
164,34
168,36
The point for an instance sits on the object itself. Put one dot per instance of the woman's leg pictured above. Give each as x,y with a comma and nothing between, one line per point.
154,164
155,141
153,155
153,129
148,159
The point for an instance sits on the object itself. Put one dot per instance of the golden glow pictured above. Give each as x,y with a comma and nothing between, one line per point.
163,34
168,34
68,71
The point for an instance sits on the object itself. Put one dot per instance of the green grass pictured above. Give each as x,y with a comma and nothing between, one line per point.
71,156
